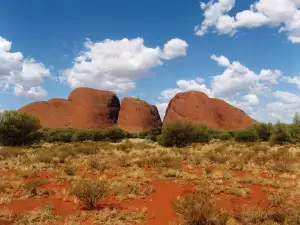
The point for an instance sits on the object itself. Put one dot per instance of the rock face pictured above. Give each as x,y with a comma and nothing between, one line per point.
85,108
197,107
136,115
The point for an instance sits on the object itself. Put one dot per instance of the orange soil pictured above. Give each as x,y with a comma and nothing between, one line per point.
158,207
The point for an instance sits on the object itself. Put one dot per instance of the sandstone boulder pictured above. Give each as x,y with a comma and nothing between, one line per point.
197,107
85,108
137,115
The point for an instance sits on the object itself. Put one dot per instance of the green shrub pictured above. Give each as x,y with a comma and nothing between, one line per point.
295,132
98,135
58,134
178,134
263,130
114,134
19,128
202,133
248,135
221,135
89,192
224,135
82,135
281,134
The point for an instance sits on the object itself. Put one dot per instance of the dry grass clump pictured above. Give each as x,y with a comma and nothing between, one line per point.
9,152
199,209
32,188
89,192
129,190
290,216
164,159
97,164
107,216
70,170
45,215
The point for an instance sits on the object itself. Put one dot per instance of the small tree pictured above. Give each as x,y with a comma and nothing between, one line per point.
281,134
263,130
248,135
296,119
19,128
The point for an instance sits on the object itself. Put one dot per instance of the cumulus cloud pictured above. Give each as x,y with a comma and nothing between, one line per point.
116,64
213,10
175,48
24,76
293,80
237,78
283,14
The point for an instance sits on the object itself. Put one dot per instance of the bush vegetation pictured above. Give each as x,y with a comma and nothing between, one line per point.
89,192
19,128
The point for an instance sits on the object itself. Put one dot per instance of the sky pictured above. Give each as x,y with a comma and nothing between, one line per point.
245,52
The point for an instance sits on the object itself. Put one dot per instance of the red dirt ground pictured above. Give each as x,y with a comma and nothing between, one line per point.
158,207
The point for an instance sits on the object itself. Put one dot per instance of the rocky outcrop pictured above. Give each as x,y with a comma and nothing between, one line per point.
85,108
197,107
137,115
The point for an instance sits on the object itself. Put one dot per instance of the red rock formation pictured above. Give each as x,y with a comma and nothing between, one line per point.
85,108
137,115
197,107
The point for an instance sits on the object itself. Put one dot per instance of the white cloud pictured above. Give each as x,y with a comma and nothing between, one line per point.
235,79
251,98
25,76
293,80
115,65
270,76
175,48
283,14
213,10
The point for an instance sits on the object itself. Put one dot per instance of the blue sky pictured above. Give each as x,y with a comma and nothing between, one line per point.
246,55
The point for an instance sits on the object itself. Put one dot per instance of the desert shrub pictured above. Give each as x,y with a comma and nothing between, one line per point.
32,187
152,135
114,134
19,128
89,192
98,135
70,170
221,135
88,150
96,164
247,135
44,215
44,156
199,209
58,134
281,134
263,130
82,135
202,133
11,152
178,134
